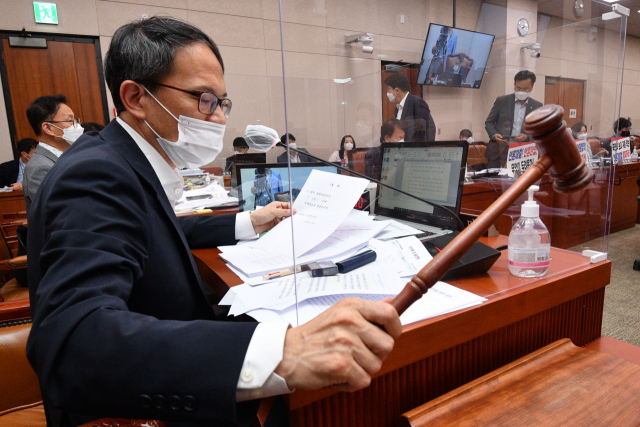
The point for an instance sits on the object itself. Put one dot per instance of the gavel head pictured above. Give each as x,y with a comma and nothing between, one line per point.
549,131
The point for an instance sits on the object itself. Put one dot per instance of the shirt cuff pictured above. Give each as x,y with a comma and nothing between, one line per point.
244,228
264,354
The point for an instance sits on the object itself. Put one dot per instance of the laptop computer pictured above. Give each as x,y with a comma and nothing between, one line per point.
433,171
262,183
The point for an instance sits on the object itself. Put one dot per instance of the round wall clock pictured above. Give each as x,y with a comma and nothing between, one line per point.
523,27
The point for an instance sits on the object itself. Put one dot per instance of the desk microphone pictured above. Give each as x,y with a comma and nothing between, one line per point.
262,138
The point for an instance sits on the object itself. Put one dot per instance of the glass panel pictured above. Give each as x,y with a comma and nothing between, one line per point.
333,92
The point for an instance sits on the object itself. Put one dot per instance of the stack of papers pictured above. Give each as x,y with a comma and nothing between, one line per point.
191,172
214,195
327,228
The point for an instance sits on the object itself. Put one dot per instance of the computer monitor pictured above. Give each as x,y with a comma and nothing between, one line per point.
242,158
433,171
261,184
454,57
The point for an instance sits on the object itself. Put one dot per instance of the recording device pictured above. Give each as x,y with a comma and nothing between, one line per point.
535,47
365,38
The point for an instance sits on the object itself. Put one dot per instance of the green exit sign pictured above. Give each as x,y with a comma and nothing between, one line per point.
46,13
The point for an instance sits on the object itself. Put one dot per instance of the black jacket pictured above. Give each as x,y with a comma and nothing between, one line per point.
419,124
282,158
122,325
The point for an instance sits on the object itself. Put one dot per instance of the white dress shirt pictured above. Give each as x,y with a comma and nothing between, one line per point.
518,117
264,353
54,150
20,171
401,107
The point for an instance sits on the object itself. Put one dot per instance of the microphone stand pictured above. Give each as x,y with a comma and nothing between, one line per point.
295,150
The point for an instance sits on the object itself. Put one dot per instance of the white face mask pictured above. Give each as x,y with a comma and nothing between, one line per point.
293,145
199,141
522,95
582,136
391,97
71,133
348,146
470,140
401,140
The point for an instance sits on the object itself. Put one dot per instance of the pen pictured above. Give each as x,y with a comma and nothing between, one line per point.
282,273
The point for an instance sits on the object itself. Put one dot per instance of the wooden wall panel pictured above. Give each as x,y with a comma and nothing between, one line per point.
88,83
406,388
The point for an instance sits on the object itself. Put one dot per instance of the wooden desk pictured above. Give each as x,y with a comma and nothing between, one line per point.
12,201
559,385
572,219
436,355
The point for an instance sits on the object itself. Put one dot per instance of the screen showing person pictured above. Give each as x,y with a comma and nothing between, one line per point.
454,57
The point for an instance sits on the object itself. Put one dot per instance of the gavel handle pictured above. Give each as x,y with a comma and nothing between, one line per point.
443,261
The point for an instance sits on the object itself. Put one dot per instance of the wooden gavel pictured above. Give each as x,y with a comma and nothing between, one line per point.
559,155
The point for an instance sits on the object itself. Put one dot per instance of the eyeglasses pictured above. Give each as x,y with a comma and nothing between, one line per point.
208,101
73,122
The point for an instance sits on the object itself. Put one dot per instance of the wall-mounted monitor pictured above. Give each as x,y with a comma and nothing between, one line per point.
454,57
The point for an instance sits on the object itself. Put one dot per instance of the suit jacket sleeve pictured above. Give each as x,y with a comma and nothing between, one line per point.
91,353
368,164
492,119
37,176
209,231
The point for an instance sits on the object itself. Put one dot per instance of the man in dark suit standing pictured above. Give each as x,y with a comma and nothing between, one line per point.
411,109
12,172
295,157
504,123
122,322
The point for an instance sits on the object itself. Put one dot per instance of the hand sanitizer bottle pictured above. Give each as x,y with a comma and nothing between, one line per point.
634,155
529,241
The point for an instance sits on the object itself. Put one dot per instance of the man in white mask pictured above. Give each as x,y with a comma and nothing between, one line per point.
119,309
56,128
504,122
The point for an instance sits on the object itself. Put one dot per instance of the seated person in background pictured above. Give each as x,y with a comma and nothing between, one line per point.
92,127
411,109
295,157
466,135
122,322
265,185
621,129
345,154
504,122
391,131
240,146
12,172
579,132
56,128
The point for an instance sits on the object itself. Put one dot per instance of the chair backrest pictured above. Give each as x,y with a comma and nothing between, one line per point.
8,229
476,154
14,215
19,385
358,160
595,146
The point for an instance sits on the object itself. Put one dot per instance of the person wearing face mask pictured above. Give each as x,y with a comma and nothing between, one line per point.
391,131
123,325
56,128
12,172
579,132
504,122
345,154
295,157
411,109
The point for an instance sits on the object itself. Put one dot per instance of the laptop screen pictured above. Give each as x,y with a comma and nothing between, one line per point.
431,171
261,184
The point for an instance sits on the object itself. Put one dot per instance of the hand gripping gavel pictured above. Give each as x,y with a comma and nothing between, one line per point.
559,155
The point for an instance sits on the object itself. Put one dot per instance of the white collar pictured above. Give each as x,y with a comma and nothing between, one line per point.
401,105
53,150
170,178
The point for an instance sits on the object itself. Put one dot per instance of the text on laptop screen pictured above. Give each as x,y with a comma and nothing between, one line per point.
262,184
431,173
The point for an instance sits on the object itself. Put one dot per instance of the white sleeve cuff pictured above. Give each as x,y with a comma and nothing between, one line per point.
244,228
264,354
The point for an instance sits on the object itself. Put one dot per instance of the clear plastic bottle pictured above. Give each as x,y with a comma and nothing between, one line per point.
529,242
634,155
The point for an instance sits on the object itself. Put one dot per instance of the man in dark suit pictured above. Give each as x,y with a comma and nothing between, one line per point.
504,122
411,109
122,322
295,157
391,131
12,172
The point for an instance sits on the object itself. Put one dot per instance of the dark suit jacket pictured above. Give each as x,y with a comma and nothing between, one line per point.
415,108
373,162
282,158
9,173
500,121
35,171
120,314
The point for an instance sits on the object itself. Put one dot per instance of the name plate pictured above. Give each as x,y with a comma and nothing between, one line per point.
521,157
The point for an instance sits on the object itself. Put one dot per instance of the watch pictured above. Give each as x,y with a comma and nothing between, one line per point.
578,8
523,27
